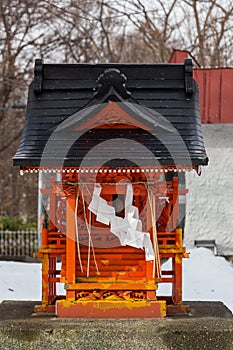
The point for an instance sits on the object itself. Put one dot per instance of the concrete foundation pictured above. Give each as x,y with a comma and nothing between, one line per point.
209,326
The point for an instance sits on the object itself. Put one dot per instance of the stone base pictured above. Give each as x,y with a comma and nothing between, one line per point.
44,309
19,330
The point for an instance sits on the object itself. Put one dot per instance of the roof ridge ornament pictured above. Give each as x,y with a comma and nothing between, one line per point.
188,76
112,81
38,76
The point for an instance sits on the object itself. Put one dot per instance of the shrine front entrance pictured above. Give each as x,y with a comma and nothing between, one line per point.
111,237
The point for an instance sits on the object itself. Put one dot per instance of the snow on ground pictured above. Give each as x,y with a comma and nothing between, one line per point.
206,277
20,281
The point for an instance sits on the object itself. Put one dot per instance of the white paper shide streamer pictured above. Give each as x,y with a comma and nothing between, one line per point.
127,229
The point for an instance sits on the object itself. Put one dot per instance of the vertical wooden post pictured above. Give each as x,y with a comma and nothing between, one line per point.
177,285
175,209
151,266
70,245
179,239
44,241
52,214
45,279
52,275
177,268
177,259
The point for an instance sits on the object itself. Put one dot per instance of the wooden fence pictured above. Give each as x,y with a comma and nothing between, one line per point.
18,243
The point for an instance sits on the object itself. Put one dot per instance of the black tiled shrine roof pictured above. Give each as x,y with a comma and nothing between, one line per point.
68,103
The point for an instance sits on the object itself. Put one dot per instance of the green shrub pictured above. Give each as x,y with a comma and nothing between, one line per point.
16,223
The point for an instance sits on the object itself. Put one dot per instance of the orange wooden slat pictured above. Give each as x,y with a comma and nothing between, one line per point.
111,286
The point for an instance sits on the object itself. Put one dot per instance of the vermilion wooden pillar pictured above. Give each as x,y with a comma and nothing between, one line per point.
70,245
177,285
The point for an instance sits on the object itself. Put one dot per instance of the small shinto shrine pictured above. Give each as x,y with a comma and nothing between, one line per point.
111,144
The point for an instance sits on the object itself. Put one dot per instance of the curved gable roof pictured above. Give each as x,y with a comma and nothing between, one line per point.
67,105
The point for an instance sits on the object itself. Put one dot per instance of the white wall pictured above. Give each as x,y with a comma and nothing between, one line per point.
209,211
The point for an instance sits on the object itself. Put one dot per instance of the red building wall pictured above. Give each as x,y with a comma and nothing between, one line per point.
216,91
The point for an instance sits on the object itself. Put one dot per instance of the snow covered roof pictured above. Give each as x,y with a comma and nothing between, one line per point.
146,114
